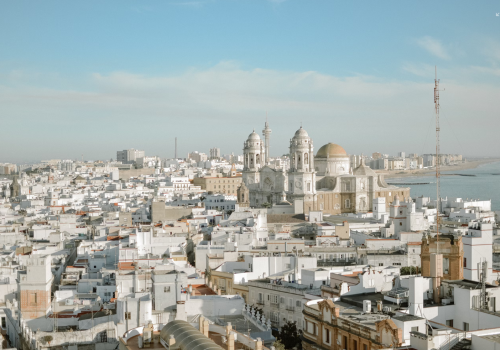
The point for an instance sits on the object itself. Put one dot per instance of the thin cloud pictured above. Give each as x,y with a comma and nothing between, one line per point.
226,102
434,47
421,70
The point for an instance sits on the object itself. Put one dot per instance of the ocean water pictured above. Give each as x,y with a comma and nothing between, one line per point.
484,185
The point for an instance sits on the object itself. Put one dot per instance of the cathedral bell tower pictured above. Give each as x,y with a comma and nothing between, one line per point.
253,152
267,135
302,176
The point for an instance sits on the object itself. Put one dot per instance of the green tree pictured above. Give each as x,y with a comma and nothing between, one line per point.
266,205
289,336
47,339
279,345
409,270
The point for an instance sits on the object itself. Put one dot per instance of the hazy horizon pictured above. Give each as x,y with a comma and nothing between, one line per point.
93,78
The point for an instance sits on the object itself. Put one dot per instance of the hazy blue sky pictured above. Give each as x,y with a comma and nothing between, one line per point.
92,77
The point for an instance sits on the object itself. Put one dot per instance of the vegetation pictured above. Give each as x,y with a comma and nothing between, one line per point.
279,345
410,270
48,339
289,336
266,205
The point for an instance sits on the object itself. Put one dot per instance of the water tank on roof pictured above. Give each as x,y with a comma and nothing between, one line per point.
367,306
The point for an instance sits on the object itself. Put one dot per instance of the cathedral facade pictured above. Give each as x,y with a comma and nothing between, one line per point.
324,181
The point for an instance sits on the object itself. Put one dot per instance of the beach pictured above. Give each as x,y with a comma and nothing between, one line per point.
425,172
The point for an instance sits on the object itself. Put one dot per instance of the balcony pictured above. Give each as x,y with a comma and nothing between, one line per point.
290,308
260,302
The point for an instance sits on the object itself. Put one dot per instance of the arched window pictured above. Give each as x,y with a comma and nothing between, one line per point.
347,203
306,158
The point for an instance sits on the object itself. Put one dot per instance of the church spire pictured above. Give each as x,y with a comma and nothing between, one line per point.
267,135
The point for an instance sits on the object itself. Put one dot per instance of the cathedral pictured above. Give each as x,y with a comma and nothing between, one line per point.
322,182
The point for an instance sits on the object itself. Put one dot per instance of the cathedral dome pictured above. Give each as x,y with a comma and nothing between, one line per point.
301,133
253,136
331,150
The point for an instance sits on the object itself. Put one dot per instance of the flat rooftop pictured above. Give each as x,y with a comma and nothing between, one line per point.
468,284
357,300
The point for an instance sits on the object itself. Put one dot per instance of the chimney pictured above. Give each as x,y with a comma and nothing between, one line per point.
379,305
416,297
258,344
205,328
181,311
336,312
200,323
171,341
230,341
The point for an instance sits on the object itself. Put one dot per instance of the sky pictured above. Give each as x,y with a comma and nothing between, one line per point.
89,78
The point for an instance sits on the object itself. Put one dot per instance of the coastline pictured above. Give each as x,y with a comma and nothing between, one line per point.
426,172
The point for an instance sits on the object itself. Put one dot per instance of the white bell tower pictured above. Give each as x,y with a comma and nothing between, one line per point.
302,176
253,153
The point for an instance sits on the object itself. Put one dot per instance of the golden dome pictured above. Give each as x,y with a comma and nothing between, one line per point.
331,150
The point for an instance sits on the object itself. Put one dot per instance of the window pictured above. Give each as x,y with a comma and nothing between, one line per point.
298,303
33,299
400,224
347,203
103,337
288,266
3,322
465,262
414,329
282,300
166,289
380,264
466,326
327,336
449,323
128,315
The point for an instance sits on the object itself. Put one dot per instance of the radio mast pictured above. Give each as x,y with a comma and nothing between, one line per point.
436,108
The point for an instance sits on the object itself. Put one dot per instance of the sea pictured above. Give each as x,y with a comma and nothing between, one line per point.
483,185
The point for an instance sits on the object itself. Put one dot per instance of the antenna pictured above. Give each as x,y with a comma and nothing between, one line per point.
438,161
176,148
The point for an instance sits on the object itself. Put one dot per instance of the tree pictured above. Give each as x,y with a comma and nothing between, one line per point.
409,270
266,205
289,336
279,345
47,339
